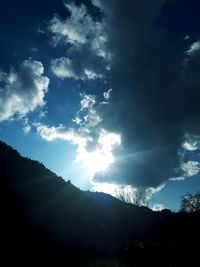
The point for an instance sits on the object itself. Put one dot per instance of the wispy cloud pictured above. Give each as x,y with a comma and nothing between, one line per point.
192,142
189,169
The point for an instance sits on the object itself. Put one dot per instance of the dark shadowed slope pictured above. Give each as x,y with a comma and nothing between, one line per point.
45,220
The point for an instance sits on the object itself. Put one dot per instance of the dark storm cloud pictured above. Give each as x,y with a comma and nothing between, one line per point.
156,89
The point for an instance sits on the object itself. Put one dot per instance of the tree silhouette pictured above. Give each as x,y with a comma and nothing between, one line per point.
190,202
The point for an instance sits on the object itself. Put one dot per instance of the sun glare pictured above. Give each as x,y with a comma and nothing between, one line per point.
100,159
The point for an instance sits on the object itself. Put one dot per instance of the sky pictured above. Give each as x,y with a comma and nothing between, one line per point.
105,93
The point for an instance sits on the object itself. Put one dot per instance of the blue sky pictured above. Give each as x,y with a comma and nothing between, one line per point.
105,94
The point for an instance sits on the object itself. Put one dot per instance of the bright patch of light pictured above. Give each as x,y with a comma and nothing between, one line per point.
97,161
190,146
92,75
103,144
191,143
158,207
191,168
102,156
126,193
107,94
111,189
108,140
193,48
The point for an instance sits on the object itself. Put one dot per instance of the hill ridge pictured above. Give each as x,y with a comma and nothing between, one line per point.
46,220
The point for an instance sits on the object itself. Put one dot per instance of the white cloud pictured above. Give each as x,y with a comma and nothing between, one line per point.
191,142
87,101
191,146
78,29
193,48
189,169
75,29
152,190
22,91
62,68
91,75
180,178
90,116
107,94
77,120
26,126
158,207
60,133
128,193
107,141
27,129
67,68
86,45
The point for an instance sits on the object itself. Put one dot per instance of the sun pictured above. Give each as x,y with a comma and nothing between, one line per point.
101,158
98,161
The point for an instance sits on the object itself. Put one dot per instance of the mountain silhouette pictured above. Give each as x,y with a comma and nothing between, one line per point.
50,222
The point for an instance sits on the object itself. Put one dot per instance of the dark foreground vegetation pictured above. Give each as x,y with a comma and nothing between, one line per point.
46,221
